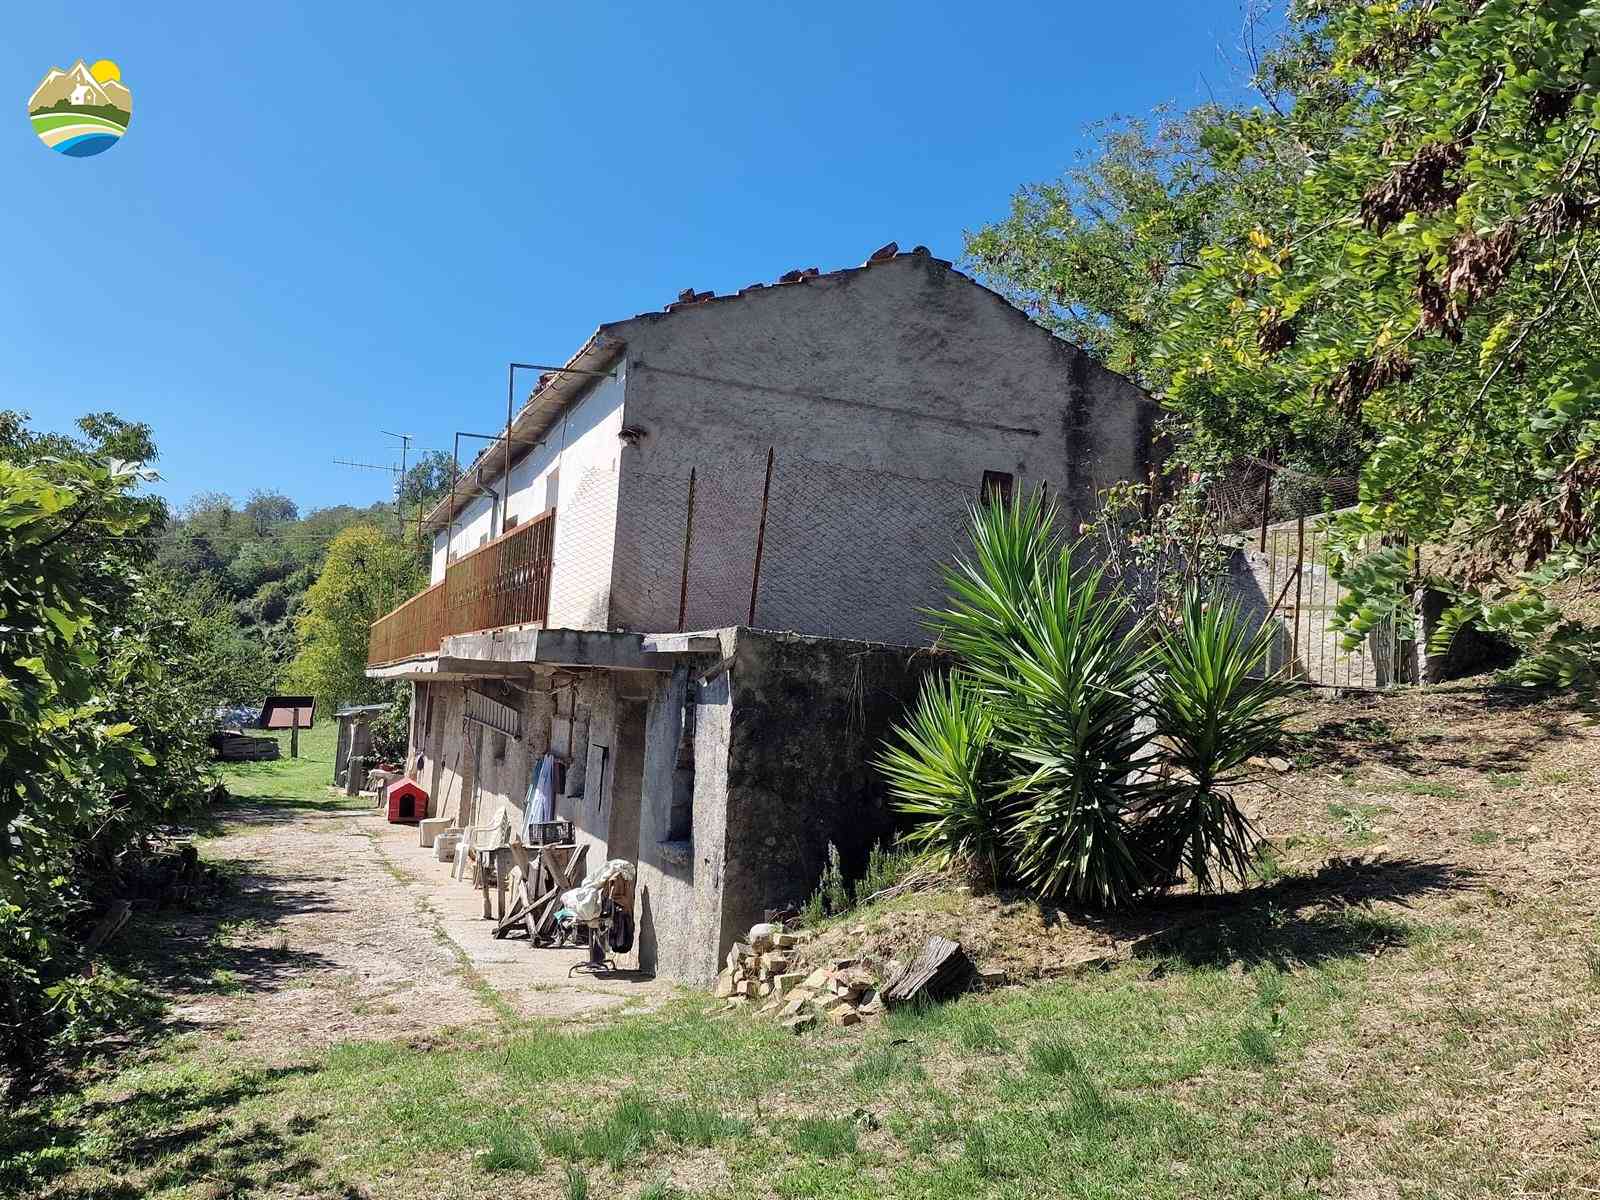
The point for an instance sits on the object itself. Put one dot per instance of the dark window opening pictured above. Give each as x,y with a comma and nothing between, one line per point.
680,821
997,487
499,747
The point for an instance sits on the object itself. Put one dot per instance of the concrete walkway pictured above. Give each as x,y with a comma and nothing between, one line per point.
342,928
532,980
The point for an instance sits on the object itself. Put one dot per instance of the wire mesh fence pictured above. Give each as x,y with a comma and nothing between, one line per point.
1286,574
1252,493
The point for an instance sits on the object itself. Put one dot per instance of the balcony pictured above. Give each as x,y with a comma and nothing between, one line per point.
503,582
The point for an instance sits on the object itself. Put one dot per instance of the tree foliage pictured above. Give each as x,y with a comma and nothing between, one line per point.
1387,262
365,574
107,682
257,561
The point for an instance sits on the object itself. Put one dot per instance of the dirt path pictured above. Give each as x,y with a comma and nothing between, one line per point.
342,928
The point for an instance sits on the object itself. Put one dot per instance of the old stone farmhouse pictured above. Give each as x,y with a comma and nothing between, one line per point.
696,578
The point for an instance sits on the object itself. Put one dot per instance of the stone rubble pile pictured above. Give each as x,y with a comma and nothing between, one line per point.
758,973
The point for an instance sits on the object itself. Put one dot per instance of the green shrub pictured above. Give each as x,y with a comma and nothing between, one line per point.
944,770
833,893
887,866
1031,755
1212,715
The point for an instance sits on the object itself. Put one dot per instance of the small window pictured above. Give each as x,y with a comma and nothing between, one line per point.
511,523
997,487
499,747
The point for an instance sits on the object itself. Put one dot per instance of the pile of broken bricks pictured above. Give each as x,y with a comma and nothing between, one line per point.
757,972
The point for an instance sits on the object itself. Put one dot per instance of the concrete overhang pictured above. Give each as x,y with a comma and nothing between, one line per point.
513,652
703,642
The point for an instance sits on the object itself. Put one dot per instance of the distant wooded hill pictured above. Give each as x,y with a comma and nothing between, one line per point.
259,556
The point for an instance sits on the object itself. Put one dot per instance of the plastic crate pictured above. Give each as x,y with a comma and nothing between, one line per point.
546,833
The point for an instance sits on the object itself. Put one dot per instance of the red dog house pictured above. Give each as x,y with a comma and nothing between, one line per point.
408,803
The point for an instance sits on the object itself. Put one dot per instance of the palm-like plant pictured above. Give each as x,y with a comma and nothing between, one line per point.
1054,655
1212,713
1031,755
994,591
1068,719
943,769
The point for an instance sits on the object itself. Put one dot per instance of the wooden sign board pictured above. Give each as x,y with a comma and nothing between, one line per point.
287,712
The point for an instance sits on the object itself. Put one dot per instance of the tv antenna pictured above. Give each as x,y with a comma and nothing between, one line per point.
399,472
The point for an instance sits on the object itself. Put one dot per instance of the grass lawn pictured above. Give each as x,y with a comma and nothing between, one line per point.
291,781
1404,1007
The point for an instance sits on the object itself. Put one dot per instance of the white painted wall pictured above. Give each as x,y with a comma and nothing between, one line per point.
437,562
587,471
575,469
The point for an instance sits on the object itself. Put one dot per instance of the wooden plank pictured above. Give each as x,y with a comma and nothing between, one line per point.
940,970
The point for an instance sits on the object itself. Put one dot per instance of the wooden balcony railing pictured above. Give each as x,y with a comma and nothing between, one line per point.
503,582
413,628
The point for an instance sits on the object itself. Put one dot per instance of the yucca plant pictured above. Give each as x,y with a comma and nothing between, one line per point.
995,589
944,771
1065,705
1031,755
1213,711
1054,656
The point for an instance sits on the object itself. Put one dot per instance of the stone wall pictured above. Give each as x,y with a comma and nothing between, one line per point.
809,715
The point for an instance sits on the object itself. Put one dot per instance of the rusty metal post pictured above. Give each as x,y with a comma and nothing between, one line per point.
505,484
761,539
688,535
1266,503
1299,577
450,535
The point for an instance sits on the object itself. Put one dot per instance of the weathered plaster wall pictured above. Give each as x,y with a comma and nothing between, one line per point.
503,766
886,393
467,770
680,901
574,469
784,728
808,716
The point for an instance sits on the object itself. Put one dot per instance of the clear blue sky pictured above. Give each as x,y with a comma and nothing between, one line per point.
330,219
